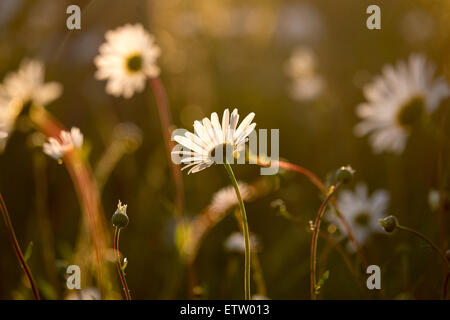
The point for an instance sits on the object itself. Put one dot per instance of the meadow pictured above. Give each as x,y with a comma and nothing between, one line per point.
224,149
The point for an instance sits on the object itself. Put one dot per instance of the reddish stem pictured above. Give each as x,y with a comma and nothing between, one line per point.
84,184
17,249
319,184
313,254
166,127
123,280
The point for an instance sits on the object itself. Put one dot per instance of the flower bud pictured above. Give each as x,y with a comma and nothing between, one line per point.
120,219
344,174
389,224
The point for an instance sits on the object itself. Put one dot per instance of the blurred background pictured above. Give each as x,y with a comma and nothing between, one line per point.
218,54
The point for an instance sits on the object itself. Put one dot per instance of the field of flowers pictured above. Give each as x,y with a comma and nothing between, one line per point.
224,149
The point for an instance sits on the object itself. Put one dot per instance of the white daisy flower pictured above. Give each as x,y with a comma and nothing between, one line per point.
68,141
397,100
127,59
361,211
21,89
27,85
210,140
236,243
226,198
301,67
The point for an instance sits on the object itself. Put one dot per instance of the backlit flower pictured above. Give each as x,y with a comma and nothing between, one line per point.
67,141
397,100
127,59
211,140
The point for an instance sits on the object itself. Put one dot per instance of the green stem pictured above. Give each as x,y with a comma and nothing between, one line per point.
246,233
315,236
436,248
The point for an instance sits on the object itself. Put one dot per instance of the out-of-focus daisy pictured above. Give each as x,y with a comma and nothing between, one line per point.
397,100
127,59
84,294
434,199
226,198
236,242
301,67
361,211
27,85
22,89
211,140
68,141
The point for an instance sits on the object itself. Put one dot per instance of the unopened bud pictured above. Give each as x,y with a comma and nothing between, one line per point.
120,219
344,174
389,224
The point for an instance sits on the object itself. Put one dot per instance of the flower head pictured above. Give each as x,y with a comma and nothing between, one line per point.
24,88
211,140
301,67
236,242
68,141
27,85
397,100
361,211
126,59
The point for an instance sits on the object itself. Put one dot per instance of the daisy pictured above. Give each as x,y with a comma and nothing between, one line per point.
127,59
225,198
397,100
236,242
206,146
301,67
23,89
361,211
67,142
27,85
210,140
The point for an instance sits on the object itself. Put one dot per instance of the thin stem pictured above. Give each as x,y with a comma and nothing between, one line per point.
319,184
120,271
166,126
85,187
246,233
333,244
258,276
435,248
313,261
431,243
17,249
